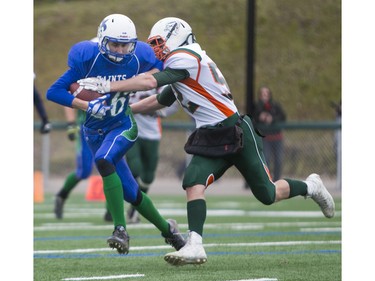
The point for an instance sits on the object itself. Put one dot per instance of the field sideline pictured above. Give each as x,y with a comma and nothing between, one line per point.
244,240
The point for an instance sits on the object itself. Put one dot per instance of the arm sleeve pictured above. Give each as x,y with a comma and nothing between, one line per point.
170,76
166,97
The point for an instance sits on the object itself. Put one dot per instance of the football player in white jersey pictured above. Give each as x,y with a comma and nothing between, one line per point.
200,88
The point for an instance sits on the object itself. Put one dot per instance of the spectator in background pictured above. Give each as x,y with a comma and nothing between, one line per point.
38,103
267,114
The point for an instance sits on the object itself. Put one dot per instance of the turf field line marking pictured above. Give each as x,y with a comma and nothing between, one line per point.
144,248
104,277
321,229
258,279
212,213
73,224
236,226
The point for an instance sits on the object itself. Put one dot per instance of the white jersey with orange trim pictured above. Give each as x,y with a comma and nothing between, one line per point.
149,126
205,95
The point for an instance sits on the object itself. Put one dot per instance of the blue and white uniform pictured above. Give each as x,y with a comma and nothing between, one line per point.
112,136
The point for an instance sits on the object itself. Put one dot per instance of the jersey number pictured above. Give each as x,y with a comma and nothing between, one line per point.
217,75
119,100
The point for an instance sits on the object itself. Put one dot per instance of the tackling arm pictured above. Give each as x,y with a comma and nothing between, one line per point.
142,82
147,105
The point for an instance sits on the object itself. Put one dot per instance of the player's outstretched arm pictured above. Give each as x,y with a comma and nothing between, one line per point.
141,82
147,105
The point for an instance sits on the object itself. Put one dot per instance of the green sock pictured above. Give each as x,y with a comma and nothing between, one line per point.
115,198
297,187
147,209
196,211
70,182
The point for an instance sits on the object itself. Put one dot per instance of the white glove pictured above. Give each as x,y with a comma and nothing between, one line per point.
98,107
99,85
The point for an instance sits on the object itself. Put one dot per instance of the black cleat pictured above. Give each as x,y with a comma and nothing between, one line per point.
176,240
119,240
59,205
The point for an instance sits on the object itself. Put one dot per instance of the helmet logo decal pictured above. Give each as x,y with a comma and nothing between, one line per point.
103,26
172,27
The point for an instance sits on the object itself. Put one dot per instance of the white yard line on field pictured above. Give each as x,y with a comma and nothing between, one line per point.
258,279
104,277
212,245
235,226
84,212
321,229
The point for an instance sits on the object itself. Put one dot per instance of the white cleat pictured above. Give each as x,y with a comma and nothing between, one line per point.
192,253
319,193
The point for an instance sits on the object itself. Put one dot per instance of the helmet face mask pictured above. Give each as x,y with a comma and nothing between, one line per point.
160,49
168,34
115,56
118,29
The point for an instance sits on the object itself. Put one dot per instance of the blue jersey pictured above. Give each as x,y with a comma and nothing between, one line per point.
85,60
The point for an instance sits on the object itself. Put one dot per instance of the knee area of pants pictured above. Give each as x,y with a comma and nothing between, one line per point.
105,167
268,202
135,198
85,176
268,199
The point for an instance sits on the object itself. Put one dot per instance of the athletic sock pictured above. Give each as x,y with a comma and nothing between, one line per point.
115,198
70,182
196,211
147,209
297,187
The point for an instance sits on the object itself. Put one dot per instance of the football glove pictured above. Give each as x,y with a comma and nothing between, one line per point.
99,85
72,131
98,107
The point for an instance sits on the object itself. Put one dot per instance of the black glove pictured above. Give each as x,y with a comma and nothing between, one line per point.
72,131
46,127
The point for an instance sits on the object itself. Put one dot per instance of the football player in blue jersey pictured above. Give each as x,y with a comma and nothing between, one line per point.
110,129
84,159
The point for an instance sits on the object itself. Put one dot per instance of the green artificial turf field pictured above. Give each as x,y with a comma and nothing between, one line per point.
244,240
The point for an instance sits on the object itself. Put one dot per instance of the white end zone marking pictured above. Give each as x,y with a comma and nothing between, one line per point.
104,277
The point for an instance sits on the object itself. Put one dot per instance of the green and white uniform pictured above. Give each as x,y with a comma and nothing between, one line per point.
199,86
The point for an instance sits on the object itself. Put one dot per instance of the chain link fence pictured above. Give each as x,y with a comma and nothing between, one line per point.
308,148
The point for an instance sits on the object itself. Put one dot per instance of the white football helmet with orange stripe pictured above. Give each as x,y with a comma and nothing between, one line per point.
168,34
